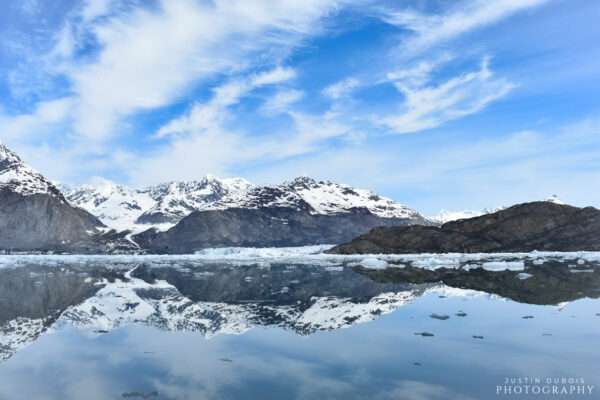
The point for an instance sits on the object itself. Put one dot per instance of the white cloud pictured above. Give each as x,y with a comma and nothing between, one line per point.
37,123
341,89
93,9
212,114
430,30
148,58
274,76
429,106
281,101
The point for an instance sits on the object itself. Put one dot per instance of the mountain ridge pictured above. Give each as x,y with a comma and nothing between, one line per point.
542,225
164,205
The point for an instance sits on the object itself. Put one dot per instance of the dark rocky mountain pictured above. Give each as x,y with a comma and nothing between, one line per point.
522,228
34,215
262,227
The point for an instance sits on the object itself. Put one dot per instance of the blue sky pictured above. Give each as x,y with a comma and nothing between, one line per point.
439,105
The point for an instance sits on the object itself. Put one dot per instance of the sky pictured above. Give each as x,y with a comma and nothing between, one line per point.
452,105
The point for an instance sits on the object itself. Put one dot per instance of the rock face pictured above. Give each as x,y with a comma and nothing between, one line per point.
34,215
525,227
262,227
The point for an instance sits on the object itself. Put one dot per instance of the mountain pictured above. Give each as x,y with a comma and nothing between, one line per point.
175,200
34,214
297,213
164,205
186,216
115,205
160,206
544,225
261,227
318,198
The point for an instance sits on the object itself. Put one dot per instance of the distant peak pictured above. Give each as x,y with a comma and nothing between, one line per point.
7,156
303,180
20,177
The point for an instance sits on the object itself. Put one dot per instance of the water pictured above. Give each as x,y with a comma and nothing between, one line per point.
280,331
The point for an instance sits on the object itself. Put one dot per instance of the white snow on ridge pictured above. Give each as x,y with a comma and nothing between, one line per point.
117,206
447,216
329,198
20,177
175,200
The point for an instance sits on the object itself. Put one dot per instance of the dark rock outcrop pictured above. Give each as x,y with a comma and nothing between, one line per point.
35,216
44,222
543,226
261,227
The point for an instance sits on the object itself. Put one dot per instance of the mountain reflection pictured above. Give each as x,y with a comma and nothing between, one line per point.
231,299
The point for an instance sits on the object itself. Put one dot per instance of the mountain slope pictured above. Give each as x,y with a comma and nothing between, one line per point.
262,227
526,227
34,215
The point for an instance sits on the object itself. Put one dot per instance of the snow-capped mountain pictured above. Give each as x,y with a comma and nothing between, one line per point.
115,205
162,206
175,200
317,197
20,177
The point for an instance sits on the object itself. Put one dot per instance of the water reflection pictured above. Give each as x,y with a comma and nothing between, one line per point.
140,331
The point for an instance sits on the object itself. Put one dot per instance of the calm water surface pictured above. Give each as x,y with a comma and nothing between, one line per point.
218,331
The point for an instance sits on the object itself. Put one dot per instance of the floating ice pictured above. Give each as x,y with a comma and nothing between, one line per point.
504,265
524,275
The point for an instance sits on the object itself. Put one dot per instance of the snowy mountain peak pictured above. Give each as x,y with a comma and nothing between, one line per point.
21,178
115,205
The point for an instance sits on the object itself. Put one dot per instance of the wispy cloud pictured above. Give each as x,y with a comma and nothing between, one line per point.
281,101
212,114
427,106
342,88
465,16
148,57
